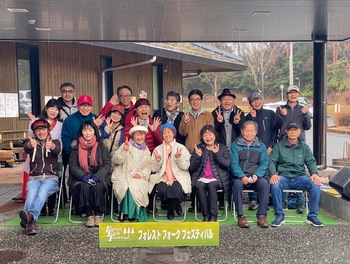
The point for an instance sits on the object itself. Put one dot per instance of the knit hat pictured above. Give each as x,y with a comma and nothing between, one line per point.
142,101
167,125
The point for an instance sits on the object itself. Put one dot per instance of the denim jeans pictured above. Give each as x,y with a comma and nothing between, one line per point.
299,183
37,193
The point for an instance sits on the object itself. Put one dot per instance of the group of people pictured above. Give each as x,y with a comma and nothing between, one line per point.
170,154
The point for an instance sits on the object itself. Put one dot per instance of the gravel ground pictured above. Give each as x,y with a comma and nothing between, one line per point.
292,244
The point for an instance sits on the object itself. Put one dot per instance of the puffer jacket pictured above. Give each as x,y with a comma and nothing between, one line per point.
43,165
247,160
153,138
102,170
220,164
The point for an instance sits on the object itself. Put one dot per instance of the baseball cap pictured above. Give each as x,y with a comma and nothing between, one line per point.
84,99
118,108
254,96
294,124
293,88
138,128
40,123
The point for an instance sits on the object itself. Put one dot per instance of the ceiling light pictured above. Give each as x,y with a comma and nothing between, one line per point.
17,10
9,28
261,13
43,29
240,30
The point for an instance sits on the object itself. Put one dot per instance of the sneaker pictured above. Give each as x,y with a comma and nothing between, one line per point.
242,222
90,221
262,222
253,205
313,220
300,208
278,220
98,220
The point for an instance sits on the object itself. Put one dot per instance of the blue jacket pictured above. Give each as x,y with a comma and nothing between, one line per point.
248,160
71,127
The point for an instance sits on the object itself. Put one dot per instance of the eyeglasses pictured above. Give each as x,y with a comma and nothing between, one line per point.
227,99
67,91
125,96
195,100
170,101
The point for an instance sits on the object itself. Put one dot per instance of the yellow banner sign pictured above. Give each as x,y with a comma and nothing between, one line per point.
162,234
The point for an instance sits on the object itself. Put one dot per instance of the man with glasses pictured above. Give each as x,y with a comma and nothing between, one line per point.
171,114
122,97
67,100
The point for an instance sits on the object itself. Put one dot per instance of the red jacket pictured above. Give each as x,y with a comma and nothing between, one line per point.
153,139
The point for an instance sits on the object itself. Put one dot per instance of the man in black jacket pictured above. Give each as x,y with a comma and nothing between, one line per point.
171,114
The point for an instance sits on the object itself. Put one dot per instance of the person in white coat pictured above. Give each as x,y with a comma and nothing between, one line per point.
170,163
130,176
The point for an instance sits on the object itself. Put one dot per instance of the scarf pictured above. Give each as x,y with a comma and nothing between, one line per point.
138,146
143,122
171,116
83,149
168,171
53,123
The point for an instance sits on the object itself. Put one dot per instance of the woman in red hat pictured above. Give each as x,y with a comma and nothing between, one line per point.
112,128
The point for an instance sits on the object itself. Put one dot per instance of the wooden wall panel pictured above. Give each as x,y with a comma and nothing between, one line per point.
80,64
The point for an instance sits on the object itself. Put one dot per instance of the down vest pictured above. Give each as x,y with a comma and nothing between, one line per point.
220,164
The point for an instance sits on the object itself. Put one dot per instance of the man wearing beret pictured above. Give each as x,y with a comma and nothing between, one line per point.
287,169
43,177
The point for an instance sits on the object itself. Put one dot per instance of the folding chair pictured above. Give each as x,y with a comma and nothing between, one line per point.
224,213
155,212
306,205
234,214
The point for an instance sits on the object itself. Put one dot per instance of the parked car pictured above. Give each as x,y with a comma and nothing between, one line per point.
274,106
25,101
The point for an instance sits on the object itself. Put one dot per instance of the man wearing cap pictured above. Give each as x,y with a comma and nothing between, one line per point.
228,118
171,114
72,124
43,177
287,169
67,100
123,98
292,111
267,132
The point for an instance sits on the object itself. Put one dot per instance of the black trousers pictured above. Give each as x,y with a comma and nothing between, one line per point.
208,197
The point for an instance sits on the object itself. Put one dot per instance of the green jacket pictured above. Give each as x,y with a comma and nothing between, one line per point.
290,162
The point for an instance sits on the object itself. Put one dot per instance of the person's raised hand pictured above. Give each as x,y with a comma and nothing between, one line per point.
109,122
49,144
216,148
114,99
157,156
305,109
197,150
133,121
187,117
283,111
237,117
33,142
178,153
31,116
219,116
99,120
156,123
252,111
127,144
